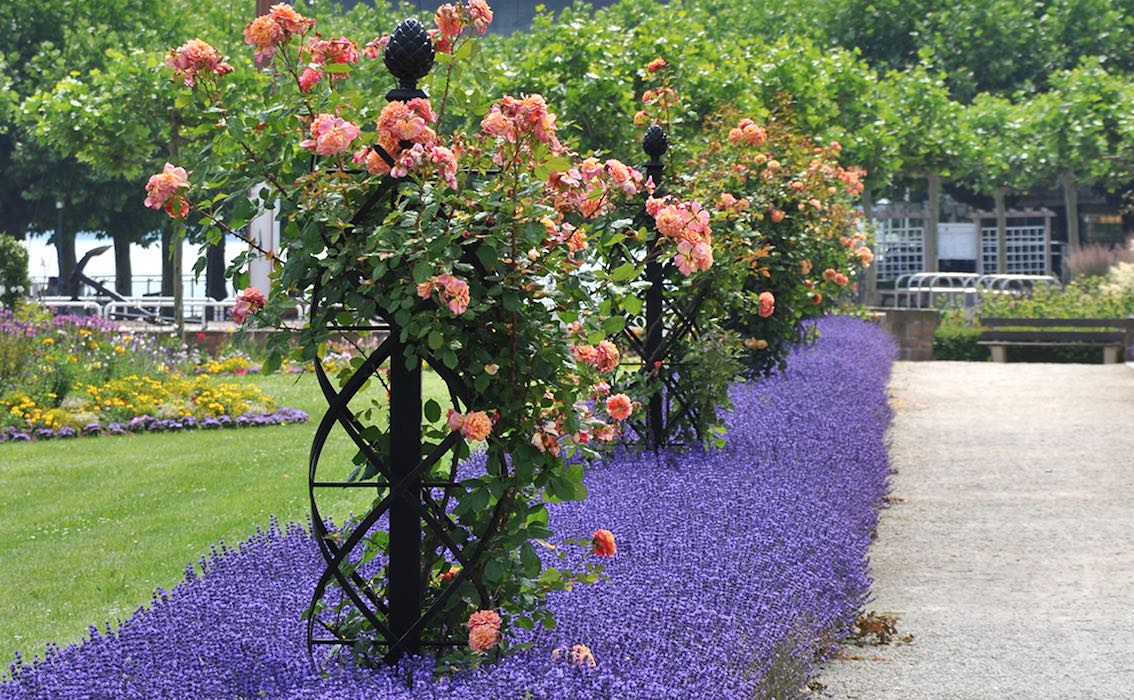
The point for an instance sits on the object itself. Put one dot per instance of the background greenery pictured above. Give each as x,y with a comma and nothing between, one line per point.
997,97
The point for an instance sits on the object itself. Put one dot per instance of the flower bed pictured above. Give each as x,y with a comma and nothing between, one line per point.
152,424
67,376
736,571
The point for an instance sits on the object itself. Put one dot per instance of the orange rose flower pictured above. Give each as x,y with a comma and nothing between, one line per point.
619,406
476,426
484,630
767,304
602,543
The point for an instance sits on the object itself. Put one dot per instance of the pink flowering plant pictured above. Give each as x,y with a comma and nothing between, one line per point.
478,250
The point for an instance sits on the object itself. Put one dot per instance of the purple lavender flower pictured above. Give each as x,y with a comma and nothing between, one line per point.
735,568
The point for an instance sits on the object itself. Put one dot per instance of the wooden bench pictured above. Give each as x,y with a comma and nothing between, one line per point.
1109,334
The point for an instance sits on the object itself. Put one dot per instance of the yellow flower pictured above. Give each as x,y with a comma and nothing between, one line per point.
49,341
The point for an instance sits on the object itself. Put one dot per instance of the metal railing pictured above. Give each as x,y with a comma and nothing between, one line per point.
925,290
158,310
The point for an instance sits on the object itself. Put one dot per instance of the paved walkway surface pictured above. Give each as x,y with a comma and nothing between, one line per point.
1009,549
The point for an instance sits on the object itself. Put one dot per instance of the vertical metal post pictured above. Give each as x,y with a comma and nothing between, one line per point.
404,568
409,57
654,143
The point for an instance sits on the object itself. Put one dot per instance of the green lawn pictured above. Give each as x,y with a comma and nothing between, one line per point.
90,527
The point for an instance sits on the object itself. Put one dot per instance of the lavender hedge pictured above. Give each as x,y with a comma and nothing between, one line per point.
736,571
152,424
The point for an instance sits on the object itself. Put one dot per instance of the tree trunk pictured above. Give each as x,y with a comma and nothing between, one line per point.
167,260
1071,200
178,237
932,216
1001,232
216,286
65,255
123,272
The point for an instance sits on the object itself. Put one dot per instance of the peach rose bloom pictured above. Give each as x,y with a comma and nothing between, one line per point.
476,426
805,267
484,630
481,15
454,420
655,65
767,304
290,20
619,406
602,543
777,216
164,185
865,255
606,356
448,21
580,655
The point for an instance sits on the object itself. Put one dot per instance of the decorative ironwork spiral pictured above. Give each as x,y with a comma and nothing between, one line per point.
408,502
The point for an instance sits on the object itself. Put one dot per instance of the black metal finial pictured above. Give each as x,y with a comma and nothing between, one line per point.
409,56
655,143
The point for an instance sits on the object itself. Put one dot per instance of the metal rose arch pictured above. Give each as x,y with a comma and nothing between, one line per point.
668,319
408,503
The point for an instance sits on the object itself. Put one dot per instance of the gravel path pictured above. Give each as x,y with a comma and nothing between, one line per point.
1008,551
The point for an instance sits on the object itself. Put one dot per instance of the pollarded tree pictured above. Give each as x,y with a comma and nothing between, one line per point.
1002,158
927,128
1083,129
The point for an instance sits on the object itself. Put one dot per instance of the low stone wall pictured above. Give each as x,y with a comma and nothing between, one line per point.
912,328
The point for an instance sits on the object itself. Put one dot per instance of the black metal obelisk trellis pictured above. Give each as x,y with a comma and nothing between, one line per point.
668,319
395,619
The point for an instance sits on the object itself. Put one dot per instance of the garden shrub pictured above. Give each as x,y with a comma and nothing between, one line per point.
955,338
14,281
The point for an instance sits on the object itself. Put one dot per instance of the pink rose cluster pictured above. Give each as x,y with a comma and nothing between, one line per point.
604,357
687,223
516,120
453,290
475,425
330,134
195,57
452,19
404,133
326,52
587,188
248,301
484,630
163,190
268,32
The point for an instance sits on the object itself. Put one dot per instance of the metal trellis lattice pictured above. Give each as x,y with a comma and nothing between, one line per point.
668,320
408,500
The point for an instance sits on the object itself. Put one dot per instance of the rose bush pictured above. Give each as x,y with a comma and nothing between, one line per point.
500,257
472,247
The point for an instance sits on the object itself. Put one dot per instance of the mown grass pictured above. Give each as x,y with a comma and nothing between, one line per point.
90,527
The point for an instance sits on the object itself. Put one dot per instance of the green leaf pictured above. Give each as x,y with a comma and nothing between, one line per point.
624,272
529,560
432,411
557,164
435,339
614,325
464,51
632,305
